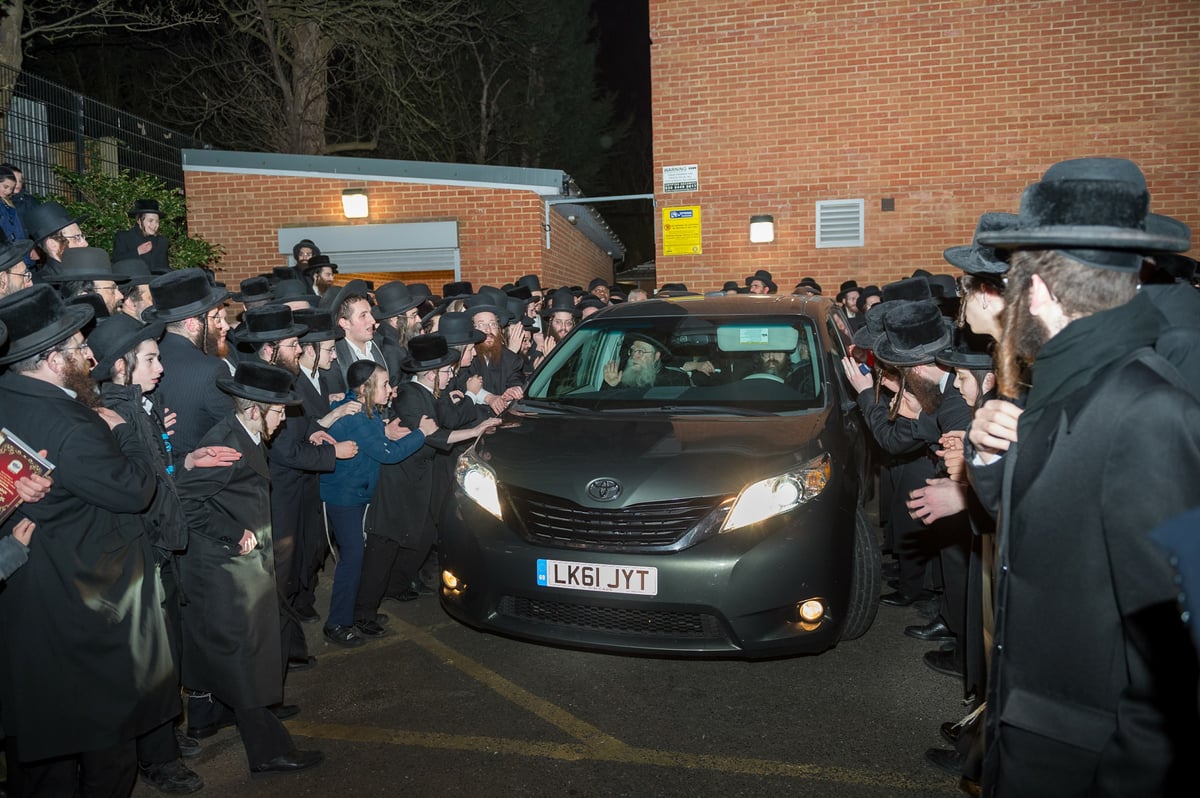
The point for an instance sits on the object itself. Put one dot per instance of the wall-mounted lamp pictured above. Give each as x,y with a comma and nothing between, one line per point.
354,203
762,229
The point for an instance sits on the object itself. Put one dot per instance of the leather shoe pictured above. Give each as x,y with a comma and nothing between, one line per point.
901,599
204,732
308,614
287,763
296,664
935,631
343,636
945,759
284,711
369,629
942,662
951,731
382,618
407,595
189,747
173,778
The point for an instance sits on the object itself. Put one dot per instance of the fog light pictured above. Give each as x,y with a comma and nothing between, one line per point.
811,611
451,582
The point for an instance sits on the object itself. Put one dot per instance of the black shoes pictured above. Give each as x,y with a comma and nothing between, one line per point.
308,615
290,762
943,662
189,747
204,732
284,711
369,629
297,664
343,636
406,595
173,778
901,599
935,631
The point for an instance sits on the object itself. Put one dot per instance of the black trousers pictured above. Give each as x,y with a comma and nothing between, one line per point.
263,735
388,567
107,773
159,746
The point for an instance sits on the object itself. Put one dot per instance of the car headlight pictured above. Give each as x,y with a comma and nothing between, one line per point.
778,494
478,482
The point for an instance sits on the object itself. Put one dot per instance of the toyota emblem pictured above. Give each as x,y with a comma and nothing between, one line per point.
604,489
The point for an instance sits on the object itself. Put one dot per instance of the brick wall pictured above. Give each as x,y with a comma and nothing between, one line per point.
949,108
500,232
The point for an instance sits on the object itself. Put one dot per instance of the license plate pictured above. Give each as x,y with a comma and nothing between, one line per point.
639,580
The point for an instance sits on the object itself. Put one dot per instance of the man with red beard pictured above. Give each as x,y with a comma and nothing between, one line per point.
191,352
500,368
562,316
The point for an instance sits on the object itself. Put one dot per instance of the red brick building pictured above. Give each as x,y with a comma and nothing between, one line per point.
937,110
427,222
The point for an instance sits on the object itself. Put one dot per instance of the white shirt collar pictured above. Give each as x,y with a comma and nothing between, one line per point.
253,435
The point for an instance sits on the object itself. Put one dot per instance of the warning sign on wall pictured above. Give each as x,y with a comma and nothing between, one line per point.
681,230
681,178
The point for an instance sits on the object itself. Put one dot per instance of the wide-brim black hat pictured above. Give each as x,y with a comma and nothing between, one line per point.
393,299
293,291
458,330
115,336
320,323
977,258
762,275
134,270
268,324
317,261
306,242
37,319
261,382
561,302
910,289
14,252
182,294
47,218
969,351
145,206
254,289
85,264
1091,204
459,290
913,333
333,298
529,281
868,335
427,352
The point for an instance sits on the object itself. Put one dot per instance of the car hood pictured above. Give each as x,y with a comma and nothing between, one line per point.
655,457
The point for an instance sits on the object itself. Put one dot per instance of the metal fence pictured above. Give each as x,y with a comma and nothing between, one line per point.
48,125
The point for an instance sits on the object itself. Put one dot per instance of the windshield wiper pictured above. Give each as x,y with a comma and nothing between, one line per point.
546,404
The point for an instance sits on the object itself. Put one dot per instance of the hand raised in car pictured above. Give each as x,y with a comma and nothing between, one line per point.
612,373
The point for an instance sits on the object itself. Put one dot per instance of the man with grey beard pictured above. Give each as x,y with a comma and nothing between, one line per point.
643,367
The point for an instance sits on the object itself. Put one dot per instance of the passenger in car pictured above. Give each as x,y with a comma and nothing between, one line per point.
644,367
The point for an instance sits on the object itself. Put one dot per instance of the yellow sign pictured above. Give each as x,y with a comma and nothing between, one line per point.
681,230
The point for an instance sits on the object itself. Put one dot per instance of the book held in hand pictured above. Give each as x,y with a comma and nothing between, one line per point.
17,460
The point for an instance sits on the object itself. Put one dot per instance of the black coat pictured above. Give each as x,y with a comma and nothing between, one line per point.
499,376
1093,679
189,389
85,662
126,243
231,642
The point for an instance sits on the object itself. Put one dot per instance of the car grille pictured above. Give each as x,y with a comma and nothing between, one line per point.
615,620
553,521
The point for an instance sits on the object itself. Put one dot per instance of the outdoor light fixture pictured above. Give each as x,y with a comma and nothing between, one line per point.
762,229
354,203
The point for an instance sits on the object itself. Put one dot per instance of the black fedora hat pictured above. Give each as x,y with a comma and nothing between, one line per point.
260,382
85,264
421,290
115,336
529,281
333,298
516,309
268,324
14,252
306,242
145,206
762,275
561,302
459,290
868,335
978,258
47,218
279,273
320,325
92,300
37,319
867,292
134,270
731,285
913,333
393,299
293,291
910,289
520,292
458,330
846,287
969,351
1096,209
810,284
591,301
182,294
317,261
426,352
254,289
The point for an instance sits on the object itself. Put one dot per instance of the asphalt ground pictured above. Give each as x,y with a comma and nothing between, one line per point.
436,708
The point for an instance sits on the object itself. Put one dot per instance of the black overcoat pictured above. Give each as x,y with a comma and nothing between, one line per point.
85,663
126,243
189,389
231,642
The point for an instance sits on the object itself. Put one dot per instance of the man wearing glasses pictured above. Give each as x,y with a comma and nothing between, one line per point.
502,370
53,231
643,367
14,272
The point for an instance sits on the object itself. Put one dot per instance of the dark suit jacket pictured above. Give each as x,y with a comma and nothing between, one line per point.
189,389
84,658
335,377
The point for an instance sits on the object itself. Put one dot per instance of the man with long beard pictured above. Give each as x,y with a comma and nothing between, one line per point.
499,367
191,352
1093,679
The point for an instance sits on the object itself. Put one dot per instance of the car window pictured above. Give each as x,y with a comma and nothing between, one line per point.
766,363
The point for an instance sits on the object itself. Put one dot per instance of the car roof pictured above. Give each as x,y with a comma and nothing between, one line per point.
811,305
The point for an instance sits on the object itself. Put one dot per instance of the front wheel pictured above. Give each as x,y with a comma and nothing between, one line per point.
864,581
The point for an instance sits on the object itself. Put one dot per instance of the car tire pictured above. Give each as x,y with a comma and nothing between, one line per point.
864,581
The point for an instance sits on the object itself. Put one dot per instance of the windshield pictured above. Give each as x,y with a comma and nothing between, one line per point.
687,363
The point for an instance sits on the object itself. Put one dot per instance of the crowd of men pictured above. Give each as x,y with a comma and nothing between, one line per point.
202,468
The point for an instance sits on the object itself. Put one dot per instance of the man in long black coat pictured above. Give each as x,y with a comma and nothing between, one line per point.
142,240
501,369
86,666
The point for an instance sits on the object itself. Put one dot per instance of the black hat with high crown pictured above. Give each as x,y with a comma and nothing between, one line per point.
293,291
913,333
37,319
133,270
144,206
421,291
182,294
279,273
427,352
261,382
333,298
845,288
516,309
320,324
393,299
731,285
1095,211
460,290
268,324
810,283
489,300
912,289
520,292
14,252
458,330
762,275
253,289
84,264
866,292
591,301
868,335
969,351
116,336
978,258
47,218
561,302
317,262
529,281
